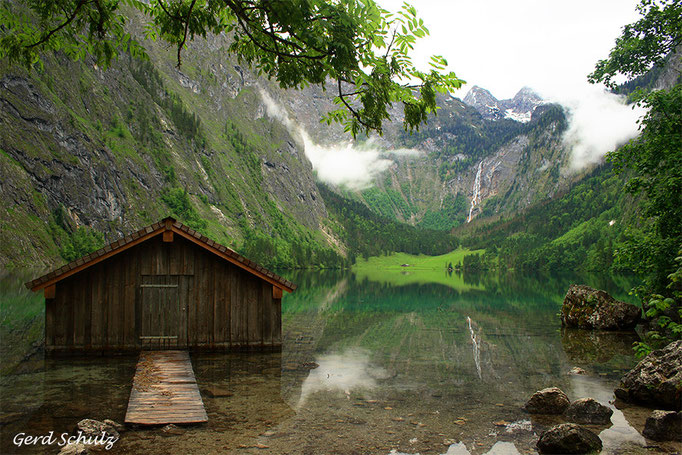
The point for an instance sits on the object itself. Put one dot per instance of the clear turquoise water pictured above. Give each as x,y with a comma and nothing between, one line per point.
365,368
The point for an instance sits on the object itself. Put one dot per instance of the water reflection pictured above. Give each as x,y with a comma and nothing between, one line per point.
409,367
345,372
595,347
620,432
57,393
21,319
503,448
475,346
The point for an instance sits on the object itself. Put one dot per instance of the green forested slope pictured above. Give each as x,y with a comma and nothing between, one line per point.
116,149
87,150
576,231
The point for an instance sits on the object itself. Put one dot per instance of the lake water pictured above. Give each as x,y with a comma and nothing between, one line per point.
384,366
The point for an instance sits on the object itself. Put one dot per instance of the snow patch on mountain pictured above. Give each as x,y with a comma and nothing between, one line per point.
520,108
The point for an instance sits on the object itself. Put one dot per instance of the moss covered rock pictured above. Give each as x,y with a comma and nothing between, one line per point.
588,308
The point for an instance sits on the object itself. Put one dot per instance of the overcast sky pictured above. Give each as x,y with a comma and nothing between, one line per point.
548,45
503,45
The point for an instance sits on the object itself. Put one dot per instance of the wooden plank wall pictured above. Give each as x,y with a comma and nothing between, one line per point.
227,307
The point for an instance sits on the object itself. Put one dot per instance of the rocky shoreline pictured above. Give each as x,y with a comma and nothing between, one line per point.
655,382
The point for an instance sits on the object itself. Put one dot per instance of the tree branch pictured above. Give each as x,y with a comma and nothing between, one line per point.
353,112
172,16
184,38
244,19
49,34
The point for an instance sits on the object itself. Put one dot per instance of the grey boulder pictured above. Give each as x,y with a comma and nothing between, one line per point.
547,401
664,426
74,449
568,438
588,410
91,427
656,381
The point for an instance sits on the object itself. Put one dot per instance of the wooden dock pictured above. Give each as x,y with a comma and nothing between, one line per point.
165,390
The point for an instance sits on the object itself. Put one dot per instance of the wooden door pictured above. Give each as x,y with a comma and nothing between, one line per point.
162,310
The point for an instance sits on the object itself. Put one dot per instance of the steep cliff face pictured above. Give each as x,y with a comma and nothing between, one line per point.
119,148
671,71
463,164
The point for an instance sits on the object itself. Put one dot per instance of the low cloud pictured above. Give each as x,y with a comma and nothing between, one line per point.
346,164
599,122
276,111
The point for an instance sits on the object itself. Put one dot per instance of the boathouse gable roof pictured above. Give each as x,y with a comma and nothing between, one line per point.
166,225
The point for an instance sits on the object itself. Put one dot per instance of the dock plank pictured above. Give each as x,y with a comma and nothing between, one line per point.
165,390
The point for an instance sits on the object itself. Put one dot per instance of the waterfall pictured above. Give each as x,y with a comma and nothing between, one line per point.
477,352
477,191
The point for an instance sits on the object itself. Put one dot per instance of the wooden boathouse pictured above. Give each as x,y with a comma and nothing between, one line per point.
164,287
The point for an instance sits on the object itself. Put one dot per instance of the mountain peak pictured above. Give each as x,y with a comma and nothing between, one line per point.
520,108
479,95
484,102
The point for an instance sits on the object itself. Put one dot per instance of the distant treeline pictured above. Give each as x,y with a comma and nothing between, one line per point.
362,232
367,234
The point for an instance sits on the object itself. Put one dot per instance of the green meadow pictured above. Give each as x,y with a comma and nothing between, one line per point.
400,269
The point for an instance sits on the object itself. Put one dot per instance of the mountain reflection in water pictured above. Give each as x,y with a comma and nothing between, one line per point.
366,366
475,345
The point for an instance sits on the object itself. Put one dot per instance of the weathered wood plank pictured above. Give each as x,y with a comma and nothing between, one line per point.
131,284
49,322
165,391
69,315
88,309
78,305
236,312
219,305
266,308
97,307
102,307
255,320
205,301
277,324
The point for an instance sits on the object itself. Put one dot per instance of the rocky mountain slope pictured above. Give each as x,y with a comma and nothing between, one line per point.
115,149
460,165
519,108
120,148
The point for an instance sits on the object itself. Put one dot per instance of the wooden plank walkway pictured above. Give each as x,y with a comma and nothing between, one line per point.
165,390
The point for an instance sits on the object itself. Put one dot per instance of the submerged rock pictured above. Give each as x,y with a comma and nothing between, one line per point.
588,410
217,392
589,308
9,417
74,449
70,410
568,438
577,370
171,429
656,380
91,427
117,426
547,401
664,426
